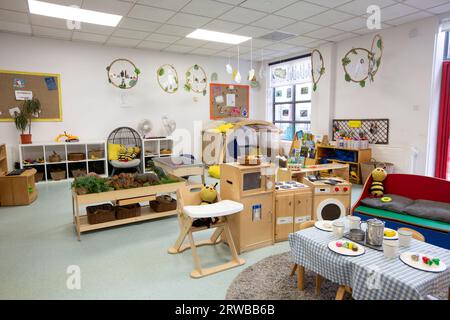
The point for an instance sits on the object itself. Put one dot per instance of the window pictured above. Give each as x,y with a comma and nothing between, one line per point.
291,96
447,46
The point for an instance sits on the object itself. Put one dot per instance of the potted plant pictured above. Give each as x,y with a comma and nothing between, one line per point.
30,109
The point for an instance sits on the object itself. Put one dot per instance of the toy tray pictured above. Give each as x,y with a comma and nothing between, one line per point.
363,243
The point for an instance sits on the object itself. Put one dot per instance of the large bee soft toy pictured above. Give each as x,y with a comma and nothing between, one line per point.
208,194
377,188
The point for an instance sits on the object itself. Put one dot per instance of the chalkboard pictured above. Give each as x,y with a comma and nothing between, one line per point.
229,100
16,85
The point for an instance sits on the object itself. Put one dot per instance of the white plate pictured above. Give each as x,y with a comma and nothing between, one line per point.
420,265
322,225
394,237
344,251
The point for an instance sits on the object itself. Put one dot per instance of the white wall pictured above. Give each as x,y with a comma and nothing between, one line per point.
91,106
402,91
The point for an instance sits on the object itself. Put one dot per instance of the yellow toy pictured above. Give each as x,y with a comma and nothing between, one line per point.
69,137
208,194
377,188
214,171
224,127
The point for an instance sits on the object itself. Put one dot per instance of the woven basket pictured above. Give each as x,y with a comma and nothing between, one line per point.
58,175
78,173
100,213
128,211
39,176
76,156
54,157
95,154
163,203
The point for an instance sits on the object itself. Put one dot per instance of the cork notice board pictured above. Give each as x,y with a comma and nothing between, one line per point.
229,100
44,86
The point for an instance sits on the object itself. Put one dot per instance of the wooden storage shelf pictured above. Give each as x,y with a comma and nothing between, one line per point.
151,148
3,160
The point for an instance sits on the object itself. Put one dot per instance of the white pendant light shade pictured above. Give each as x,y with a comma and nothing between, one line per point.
238,77
251,74
229,68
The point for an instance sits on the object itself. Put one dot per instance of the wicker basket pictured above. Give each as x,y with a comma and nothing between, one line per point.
95,154
76,156
58,175
163,203
79,173
54,157
100,213
39,176
128,211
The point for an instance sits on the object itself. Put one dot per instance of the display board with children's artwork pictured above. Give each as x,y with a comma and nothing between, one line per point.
17,86
229,100
374,131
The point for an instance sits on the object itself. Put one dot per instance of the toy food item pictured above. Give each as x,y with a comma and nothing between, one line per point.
348,245
214,171
377,188
389,233
436,261
386,199
415,257
338,244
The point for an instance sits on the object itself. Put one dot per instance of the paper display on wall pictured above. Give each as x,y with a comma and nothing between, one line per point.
23,95
219,99
231,100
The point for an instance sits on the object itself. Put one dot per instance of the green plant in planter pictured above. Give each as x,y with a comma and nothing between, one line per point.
32,109
91,184
21,121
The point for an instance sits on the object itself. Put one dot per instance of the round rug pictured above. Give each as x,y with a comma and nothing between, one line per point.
269,279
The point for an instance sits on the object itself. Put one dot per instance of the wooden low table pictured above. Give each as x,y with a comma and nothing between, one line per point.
181,166
122,197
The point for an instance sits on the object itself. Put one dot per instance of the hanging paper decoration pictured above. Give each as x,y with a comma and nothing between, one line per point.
196,80
167,78
361,64
123,74
317,67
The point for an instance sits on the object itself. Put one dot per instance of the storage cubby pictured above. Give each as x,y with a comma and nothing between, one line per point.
32,155
77,169
56,172
3,159
97,167
156,147
55,150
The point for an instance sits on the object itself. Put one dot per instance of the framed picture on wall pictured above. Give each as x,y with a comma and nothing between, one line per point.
304,92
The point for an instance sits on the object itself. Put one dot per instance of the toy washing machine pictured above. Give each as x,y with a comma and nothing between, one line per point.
331,198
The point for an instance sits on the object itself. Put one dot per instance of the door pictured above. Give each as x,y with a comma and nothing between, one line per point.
303,209
284,209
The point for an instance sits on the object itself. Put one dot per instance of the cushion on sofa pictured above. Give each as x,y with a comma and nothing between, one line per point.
433,210
398,203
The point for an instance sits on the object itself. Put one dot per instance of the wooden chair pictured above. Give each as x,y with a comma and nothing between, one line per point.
300,269
415,234
342,290
189,209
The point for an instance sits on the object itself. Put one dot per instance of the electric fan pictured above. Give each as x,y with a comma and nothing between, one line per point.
144,128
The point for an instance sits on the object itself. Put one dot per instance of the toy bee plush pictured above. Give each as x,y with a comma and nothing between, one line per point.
208,194
377,188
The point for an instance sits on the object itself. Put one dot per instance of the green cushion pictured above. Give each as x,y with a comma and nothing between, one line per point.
420,222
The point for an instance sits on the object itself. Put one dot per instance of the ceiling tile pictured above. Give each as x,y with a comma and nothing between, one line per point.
65,2
150,13
52,33
16,5
108,6
342,37
13,16
279,46
165,4
273,22
440,9
163,38
329,17
122,42
233,2
412,17
15,27
95,28
204,51
206,8
42,21
188,20
359,7
222,26
90,37
300,28
352,24
301,10
175,30
152,45
329,3
131,34
425,4
267,5
299,41
396,11
316,44
193,43
137,24
177,48
217,45
242,15
251,31
257,43
324,33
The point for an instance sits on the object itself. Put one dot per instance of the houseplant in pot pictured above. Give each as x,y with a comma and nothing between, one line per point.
21,122
30,109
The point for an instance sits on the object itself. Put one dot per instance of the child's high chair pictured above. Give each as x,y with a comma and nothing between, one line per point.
189,210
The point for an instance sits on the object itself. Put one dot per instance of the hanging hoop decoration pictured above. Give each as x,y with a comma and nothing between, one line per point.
123,74
196,80
167,78
361,64
317,70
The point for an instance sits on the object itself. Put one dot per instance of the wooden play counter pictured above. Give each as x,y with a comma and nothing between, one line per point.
122,197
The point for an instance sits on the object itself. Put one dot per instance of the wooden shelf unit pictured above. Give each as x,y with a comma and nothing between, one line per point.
43,150
151,148
3,160
128,196
359,156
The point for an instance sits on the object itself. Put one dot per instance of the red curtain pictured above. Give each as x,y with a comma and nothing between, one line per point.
444,124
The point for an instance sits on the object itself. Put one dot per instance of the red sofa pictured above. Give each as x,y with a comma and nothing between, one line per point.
413,187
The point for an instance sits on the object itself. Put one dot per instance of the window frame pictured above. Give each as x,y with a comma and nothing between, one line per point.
446,46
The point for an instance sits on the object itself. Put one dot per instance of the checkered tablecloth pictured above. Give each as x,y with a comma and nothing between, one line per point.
371,275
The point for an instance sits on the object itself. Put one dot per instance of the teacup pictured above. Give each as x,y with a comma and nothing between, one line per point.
355,222
390,248
338,228
404,238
